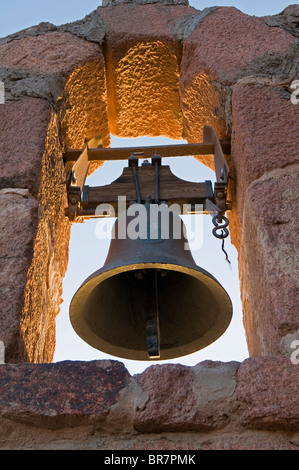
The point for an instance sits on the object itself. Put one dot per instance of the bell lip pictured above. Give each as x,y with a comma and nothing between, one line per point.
87,335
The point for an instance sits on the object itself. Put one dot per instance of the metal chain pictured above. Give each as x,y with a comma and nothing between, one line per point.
224,232
225,252
222,227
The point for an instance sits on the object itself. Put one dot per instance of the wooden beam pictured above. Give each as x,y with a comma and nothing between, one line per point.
123,153
171,188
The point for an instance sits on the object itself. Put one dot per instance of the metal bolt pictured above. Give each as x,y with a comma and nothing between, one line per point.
73,178
73,200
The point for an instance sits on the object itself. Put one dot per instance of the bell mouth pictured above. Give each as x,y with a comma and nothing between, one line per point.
109,310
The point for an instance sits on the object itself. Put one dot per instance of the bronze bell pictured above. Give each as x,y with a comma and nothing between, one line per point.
150,300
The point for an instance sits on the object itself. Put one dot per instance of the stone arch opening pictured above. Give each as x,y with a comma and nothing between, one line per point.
147,96
89,245
57,101
224,57
133,89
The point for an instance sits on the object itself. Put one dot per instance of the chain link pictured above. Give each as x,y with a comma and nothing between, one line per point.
224,232
223,227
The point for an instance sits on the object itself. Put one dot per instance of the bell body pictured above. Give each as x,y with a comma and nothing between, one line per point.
150,300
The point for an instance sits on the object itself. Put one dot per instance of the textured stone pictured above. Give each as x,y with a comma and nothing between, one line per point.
20,192
187,24
97,405
35,233
143,57
41,28
289,347
287,20
267,389
42,53
111,3
172,401
224,47
227,42
29,128
74,82
291,10
202,104
18,225
269,260
75,405
43,291
60,395
23,128
83,106
90,28
182,398
263,125
20,84
257,440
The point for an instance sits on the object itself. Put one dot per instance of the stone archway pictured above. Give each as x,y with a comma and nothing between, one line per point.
170,75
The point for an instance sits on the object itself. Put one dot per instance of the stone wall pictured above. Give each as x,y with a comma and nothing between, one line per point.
152,68
97,405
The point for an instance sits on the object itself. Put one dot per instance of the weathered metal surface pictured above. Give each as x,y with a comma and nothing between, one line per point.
150,282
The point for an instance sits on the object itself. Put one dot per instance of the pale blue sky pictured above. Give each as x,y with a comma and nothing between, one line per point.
87,252
19,14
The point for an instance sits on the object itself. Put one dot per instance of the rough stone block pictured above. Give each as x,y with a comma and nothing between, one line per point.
18,225
90,28
267,390
269,259
287,20
263,139
42,295
34,237
43,53
265,124
111,3
227,42
83,107
62,394
23,129
186,399
226,45
143,50
34,65
143,58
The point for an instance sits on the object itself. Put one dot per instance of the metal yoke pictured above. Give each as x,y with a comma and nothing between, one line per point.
150,182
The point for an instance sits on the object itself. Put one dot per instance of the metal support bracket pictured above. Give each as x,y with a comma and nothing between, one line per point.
77,176
83,200
221,170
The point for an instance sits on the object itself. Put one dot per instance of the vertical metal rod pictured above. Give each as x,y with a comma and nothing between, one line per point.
156,182
152,321
138,195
